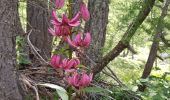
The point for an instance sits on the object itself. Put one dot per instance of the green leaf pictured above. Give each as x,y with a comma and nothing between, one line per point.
95,90
60,90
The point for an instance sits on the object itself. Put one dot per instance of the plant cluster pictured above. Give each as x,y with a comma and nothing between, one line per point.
76,76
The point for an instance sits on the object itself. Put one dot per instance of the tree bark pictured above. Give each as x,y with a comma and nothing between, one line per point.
124,42
38,19
9,28
97,27
155,45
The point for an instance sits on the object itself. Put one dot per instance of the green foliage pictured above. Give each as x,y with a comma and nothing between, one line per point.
95,90
127,69
158,88
22,57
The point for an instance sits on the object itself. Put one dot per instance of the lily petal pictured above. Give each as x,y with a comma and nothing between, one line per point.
75,21
87,39
52,31
71,43
59,4
55,21
84,11
77,39
55,61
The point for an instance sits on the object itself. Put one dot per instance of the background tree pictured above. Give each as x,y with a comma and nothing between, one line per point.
10,27
97,24
155,44
37,21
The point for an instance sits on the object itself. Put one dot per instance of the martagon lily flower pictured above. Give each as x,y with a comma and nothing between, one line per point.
63,27
59,4
80,80
65,64
79,41
84,11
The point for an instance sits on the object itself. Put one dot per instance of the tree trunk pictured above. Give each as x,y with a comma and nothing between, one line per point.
9,28
97,27
38,19
155,45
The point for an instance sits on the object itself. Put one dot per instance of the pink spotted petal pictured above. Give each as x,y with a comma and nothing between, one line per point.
75,21
84,11
87,39
59,4
66,30
65,19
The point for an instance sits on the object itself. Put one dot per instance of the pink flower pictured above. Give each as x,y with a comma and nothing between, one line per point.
84,11
80,80
63,27
76,62
59,4
55,61
65,64
80,42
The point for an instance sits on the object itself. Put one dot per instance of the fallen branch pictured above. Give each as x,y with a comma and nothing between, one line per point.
31,84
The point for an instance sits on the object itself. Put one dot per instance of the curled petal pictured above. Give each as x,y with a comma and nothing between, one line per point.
87,39
71,43
56,31
70,63
77,39
59,4
76,62
84,11
52,31
55,20
64,63
75,21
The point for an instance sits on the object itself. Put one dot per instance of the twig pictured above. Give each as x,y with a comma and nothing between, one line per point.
114,75
33,85
106,73
32,46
